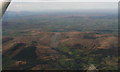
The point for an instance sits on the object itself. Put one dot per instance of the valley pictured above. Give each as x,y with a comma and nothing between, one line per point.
60,41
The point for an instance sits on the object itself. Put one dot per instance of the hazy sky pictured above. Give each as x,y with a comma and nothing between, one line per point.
64,0
42,6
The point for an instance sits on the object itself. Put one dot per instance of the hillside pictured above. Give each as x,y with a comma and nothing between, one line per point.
60,40
64,50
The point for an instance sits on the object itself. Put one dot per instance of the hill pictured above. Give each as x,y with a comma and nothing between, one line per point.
64,50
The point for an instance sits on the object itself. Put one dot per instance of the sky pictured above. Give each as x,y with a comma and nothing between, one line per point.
44,6
63,0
